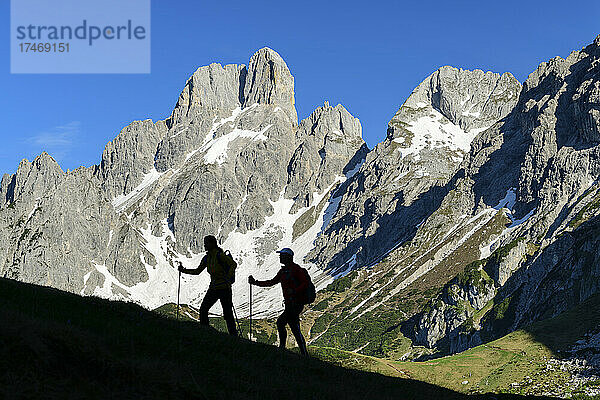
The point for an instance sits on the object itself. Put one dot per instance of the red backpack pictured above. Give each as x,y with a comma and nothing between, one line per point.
310,293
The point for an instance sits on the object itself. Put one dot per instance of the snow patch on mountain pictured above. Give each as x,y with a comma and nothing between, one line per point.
106,290
210,136
507,204
216,149
431,132
149,178
248,249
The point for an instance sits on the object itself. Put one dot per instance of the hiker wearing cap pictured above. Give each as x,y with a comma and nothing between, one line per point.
294,283
221,267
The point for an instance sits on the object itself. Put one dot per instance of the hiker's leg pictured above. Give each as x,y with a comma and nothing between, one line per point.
281,322
210,298
227,305
294,321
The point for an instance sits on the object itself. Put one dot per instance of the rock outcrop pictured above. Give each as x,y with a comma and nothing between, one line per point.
477,214
231,160
403,178
523,198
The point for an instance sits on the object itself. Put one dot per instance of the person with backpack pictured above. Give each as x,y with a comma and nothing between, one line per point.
298,291
221,267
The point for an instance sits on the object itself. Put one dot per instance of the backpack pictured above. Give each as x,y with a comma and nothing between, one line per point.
228,264
311,292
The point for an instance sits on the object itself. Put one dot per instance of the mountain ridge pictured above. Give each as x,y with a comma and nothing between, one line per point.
233,132
527,178
445,235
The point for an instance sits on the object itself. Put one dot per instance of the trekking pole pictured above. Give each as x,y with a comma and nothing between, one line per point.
178,291
236,319
250,334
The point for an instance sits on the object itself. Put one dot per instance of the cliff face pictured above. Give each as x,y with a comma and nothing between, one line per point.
520,207
551,247
477,215
400,182
231,160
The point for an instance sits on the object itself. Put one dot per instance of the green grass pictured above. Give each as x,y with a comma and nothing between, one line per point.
491,367
57,345
494,366
341,284
519,357
308,219
376,332
582,215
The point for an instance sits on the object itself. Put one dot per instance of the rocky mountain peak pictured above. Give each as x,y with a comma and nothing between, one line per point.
269,81
331,146
475,185
468,99
211,87
333,121
266,80
32,179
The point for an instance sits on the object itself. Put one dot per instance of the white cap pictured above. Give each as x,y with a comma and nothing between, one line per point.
286,250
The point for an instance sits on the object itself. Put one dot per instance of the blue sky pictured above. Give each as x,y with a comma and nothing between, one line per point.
368,56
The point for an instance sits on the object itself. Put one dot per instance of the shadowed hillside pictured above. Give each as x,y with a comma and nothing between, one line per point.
59,345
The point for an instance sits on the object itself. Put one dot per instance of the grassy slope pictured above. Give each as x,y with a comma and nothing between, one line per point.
519,357
378,332
59,345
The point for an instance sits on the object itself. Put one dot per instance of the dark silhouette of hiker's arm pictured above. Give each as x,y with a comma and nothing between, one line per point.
270,282
194,271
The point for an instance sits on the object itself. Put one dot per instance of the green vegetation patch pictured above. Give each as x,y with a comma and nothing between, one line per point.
582,215
515,363
475,276
342,284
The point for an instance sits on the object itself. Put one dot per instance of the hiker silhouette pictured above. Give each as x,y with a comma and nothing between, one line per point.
294,284
221,268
